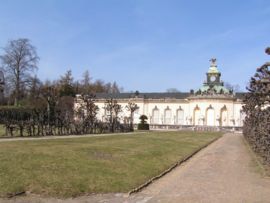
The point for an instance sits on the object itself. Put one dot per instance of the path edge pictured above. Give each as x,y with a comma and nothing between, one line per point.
178,163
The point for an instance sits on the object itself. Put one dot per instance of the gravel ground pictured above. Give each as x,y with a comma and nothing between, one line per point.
222,172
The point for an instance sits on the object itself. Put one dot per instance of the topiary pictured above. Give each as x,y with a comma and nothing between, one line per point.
143,125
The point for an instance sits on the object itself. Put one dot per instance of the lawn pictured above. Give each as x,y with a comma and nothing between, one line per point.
2,130
77,166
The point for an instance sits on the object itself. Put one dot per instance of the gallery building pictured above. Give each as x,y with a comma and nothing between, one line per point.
211,105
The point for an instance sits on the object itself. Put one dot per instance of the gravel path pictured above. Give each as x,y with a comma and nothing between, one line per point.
222,172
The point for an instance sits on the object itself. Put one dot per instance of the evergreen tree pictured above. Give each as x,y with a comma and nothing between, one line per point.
67,85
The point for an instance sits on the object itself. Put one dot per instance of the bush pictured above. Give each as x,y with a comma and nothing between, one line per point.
143,126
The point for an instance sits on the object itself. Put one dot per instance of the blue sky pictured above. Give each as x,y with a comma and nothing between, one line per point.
145,45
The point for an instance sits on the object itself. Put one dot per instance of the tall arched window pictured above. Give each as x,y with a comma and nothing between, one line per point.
196,115
167,115
180,116
210,116
155,115
224,116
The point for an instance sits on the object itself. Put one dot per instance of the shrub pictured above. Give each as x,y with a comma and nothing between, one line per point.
143,125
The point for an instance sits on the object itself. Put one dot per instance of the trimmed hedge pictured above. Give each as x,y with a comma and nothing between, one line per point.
143,126
257,109
57,119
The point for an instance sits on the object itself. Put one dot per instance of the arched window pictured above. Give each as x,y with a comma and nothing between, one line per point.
180,116
155,115
210,116
196,115
167,115
224,116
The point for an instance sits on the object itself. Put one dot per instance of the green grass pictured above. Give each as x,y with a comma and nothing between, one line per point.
72,167
257,163
2,130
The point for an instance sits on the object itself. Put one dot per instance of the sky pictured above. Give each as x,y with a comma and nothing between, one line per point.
144,45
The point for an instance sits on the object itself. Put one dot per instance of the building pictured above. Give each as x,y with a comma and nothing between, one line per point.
212,105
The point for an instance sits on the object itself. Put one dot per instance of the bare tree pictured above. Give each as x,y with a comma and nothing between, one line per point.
99,86
115,88
131,107
86,78
88,113
86,83
112,109
34,87
51,95
19,61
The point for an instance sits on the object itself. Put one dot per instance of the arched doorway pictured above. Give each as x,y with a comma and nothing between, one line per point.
224,116
196,115
180,116
155,115
210,116
167,115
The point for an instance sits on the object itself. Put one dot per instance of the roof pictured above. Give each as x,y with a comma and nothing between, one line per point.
217,88
152,95
155,95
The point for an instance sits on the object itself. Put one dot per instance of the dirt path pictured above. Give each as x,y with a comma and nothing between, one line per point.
222,172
